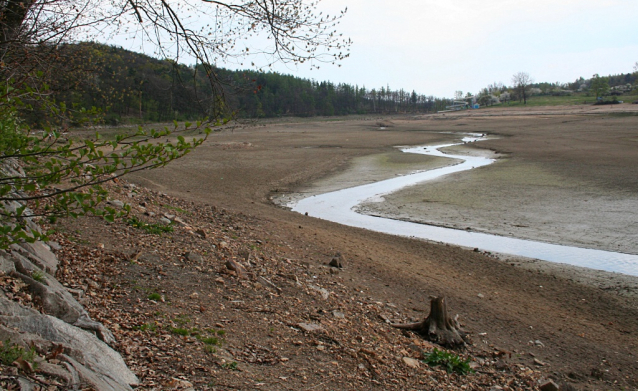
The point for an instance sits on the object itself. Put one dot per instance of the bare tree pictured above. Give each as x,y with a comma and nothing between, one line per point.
521,82
209,31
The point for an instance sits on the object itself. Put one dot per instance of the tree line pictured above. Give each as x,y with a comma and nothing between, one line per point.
126,85
523,86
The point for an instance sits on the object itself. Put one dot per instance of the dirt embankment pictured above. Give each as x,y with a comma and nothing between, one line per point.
588,334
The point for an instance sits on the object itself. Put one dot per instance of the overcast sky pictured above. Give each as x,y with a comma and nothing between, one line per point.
439,46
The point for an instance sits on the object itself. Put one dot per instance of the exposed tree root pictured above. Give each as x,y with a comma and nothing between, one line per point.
438,327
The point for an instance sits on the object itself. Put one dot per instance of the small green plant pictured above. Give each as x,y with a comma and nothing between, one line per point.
146,327
210,349
211,341
182,320
230,365
180,331
177,209
154,228
221,333
450,361
10,352
37,275
155,296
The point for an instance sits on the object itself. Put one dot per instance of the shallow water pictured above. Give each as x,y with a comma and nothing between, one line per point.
339,206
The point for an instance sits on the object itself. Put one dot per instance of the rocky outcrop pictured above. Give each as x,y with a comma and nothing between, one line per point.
76,346
83,358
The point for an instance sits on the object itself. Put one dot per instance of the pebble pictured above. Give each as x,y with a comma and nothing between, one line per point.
324,293
310,327
338,315
549,386
116,203
194,257
412,363
539,362
180,221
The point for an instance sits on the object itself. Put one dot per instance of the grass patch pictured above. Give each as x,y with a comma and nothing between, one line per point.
177,209
230,365
221,333
211,341
180,331
146,327
210,337
38,276
210,349
182,320
154,228
10,352
155,297
450,361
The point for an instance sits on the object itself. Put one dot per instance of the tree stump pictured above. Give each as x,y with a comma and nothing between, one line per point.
438,327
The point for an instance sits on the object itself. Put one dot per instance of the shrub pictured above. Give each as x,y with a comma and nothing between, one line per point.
450,361
154,228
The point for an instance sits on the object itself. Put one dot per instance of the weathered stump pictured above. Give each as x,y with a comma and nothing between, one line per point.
438,327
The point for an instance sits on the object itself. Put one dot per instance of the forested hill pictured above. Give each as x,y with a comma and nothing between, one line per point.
130,86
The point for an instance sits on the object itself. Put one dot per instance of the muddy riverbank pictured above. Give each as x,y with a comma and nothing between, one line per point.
587,324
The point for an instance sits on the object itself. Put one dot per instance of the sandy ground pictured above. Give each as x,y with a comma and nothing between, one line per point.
572,158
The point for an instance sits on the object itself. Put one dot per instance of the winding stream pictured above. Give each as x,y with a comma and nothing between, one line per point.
339,207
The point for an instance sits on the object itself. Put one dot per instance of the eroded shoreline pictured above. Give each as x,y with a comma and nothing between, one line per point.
390,210
571,316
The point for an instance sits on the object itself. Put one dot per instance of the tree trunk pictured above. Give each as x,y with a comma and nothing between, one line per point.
438,327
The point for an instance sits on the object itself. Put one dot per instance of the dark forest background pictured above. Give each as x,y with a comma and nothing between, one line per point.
125,86
129,86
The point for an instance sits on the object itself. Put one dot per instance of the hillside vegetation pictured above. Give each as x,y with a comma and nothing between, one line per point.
126,85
